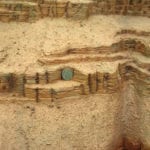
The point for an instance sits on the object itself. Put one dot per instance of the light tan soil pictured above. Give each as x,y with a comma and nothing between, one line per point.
94,122
21,44
73,124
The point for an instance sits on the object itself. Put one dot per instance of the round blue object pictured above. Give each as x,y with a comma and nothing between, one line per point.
67,74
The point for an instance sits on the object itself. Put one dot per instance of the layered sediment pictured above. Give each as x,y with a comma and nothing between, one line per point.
29,11
104,104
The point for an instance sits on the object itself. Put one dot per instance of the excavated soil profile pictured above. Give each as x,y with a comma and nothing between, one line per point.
74,75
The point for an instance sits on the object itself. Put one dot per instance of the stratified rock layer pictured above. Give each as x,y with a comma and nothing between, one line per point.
104,105
33,10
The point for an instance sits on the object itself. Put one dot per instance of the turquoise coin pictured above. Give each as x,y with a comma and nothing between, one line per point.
67,74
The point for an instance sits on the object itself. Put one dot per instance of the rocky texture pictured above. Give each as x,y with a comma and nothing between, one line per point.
106,104
131,79
104,82
33,10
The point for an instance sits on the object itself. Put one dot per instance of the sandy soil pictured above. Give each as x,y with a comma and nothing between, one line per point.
73,124
134,113
83,123
21,44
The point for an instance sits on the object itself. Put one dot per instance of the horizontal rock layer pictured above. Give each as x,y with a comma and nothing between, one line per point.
29,11
50,85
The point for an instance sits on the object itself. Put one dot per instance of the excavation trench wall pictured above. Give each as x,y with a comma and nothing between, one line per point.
105,111
123,126
134,116
91,83
79,123
27,11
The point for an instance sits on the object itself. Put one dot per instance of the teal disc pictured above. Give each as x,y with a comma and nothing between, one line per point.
67,74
